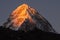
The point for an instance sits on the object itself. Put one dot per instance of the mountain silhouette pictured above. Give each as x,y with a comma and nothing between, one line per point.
25,23
27,18
36,34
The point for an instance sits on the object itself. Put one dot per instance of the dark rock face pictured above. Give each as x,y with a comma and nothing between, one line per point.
36,34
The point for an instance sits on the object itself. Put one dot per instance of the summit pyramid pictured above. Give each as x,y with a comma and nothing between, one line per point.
27,18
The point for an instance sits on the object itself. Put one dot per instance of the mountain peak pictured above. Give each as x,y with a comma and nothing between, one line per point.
19,16
26,5
27,18
22,7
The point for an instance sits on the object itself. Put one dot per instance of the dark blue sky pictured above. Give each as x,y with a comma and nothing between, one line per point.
50,9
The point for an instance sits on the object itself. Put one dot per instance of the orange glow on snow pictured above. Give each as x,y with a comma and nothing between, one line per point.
19,15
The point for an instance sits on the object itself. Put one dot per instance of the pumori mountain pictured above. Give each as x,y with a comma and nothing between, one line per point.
25,23
27,18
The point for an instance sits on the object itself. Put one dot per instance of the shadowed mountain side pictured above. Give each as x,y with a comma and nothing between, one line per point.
36,34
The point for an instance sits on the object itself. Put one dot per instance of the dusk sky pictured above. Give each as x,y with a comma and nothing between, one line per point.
50,9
